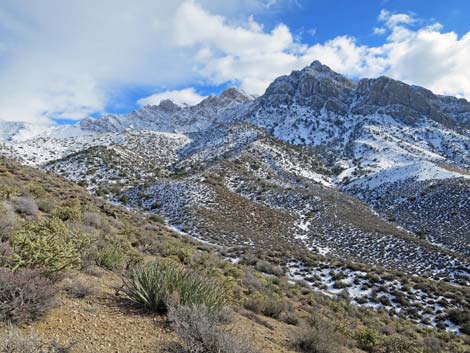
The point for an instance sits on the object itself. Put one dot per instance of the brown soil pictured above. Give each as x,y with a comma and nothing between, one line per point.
103,323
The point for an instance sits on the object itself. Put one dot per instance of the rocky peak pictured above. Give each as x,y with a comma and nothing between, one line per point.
168,106
313,86
235,94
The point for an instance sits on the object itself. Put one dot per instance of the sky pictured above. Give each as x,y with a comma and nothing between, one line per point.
65,60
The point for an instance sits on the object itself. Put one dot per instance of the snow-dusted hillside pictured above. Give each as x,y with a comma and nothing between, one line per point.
305,153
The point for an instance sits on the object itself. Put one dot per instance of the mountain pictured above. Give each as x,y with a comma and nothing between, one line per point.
320,175
86,308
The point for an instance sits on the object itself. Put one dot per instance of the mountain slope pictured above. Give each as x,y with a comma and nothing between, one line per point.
326,164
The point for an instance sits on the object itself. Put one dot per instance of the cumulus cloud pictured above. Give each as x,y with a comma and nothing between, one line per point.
392,20
187,96
70,59
251,57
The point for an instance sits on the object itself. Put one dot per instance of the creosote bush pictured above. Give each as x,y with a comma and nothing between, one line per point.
7,220
26,206
318,335
152,286
79,288
47,244
202,330
24,295
14,341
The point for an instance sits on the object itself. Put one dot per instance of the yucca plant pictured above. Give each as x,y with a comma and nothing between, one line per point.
154,285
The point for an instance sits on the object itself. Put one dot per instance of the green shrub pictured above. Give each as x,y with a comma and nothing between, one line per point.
116,254
7,191
461,318
36,190
69,211
157,218
124,199
273,306
269,305
45,205
398,344
47,244
367,339
317,335
154,285
340,285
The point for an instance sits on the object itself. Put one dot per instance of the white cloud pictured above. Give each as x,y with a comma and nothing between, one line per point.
379,30
187,96
68,59
253,58
392,20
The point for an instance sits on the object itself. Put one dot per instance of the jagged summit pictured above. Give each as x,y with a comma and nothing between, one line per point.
318,87
168,105
235,94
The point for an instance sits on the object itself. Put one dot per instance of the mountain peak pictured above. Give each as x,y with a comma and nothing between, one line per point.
318,66
169,106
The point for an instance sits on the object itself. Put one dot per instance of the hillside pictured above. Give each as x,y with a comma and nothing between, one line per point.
357,189
91,312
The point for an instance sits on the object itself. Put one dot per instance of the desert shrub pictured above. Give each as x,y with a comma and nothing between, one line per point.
6,255
399,344
271,306
36,190
45,204
92,219
69,211
460,318
26,205
289,317
201,331
317,335
157,218
367,339
24,295
115,254
151,286
7,191
340,285
14,341
266,267
7,220
47,244
79,288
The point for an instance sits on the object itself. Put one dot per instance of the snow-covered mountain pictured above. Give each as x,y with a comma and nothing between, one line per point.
374,170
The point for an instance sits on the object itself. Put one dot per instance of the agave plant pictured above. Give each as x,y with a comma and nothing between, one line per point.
154,285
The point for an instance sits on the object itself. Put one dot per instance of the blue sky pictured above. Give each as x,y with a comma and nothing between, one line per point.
63,61
357,18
